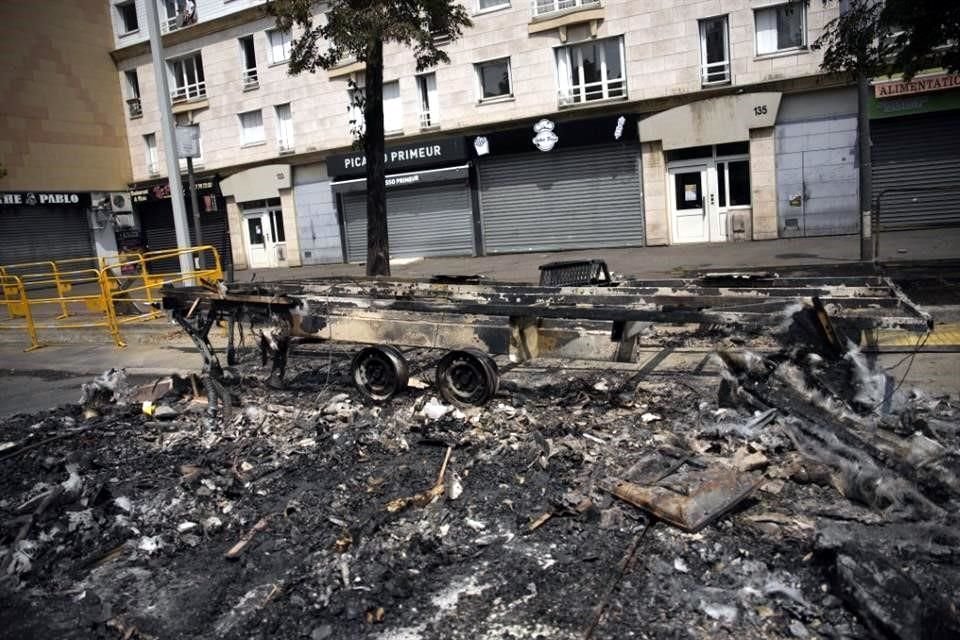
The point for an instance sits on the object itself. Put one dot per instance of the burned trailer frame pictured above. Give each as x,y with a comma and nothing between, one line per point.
472,320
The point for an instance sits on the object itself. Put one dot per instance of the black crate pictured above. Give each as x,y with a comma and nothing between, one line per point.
574,272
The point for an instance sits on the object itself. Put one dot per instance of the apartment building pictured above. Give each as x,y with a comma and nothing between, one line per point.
557,124
63,146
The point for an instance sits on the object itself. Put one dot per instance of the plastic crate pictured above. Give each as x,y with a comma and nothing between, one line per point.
574,272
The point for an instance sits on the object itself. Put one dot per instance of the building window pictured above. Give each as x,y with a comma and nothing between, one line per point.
284,128
179,13
489,5
493,78
427,94
714,51
780,28
132,92
546,7
733,179
248,57
279,45
151,157
187,76
392,108
591,71
127,14
251,128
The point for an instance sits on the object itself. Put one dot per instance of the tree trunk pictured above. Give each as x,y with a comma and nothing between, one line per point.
378,246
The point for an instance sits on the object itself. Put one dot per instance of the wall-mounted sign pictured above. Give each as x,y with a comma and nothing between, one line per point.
162,191
45,198
413,178
416,154
923,84
545,139
618,132
481,145
188,140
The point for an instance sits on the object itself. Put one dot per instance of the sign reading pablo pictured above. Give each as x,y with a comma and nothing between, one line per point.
923,84
417,154
44,198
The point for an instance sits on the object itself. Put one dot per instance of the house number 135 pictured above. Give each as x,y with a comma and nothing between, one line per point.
760,110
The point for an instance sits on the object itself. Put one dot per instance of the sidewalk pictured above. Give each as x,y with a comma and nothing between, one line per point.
653,262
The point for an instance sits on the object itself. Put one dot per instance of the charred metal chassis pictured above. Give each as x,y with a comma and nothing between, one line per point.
526,321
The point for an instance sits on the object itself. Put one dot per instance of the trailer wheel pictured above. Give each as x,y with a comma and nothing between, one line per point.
379,372
467,377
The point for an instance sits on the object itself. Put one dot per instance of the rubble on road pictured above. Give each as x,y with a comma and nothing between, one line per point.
795,493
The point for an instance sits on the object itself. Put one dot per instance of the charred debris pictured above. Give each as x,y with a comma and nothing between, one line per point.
785,487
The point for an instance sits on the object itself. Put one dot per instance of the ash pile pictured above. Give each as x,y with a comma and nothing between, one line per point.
795,493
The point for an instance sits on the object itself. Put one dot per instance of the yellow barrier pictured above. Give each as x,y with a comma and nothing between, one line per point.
100,285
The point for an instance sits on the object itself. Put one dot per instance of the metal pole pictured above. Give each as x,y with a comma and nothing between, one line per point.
169,140
195,205
867,229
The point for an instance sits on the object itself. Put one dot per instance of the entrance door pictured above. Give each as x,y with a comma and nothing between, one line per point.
264,236
688,185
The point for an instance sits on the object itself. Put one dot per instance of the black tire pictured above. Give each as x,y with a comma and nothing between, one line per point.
379,372
467,377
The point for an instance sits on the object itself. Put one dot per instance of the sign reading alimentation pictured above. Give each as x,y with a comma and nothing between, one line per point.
405,156
922,84
44,199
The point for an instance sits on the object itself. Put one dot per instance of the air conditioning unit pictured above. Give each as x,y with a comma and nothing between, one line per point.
120,202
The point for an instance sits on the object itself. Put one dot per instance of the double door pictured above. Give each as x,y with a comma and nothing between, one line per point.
698,202
264,236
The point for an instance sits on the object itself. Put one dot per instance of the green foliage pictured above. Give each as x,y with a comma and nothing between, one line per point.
348,28
877,37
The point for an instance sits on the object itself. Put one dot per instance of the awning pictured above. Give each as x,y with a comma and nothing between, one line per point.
712,121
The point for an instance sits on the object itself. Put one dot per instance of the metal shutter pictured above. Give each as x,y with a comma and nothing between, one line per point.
434,220
581,198
921,151
34,234
161,234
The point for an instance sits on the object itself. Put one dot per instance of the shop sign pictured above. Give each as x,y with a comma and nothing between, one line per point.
923,84
162,191
418,154
406,179
44,198
545,139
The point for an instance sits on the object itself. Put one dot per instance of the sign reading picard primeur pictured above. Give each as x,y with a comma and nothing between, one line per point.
44,199
405,156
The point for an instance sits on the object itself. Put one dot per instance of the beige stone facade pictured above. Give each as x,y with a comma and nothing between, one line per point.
62,124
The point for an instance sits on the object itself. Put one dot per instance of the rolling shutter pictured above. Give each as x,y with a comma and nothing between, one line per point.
160,233
581,198
434,220
34,234
919,152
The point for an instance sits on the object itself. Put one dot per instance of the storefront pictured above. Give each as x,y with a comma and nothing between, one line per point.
154,212
560,185
430,208
40,226
916,151
262,217
709,170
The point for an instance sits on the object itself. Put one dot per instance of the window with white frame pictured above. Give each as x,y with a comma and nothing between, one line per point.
251,127
284,128
488,5
591,71
179,13
280,45
132,92
392,108
780,28
187,78
427,95
493,79
127,17
546,7
248,58
714,51
151,157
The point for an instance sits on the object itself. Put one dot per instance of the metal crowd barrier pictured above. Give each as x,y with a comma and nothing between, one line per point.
96,292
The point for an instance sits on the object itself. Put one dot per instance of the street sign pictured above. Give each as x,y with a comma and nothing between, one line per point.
188,140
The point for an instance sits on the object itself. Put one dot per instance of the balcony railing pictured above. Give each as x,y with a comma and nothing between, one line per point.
427,120
714,73
134,107
189,92
284,146
179,21
590,91
153,169
541,8
251,80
